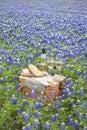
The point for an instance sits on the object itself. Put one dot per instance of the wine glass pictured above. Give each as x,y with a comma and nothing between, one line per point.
50,64
58,63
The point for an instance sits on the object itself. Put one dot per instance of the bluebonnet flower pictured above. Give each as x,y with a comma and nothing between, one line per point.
86,117
38,99
13,99
77,113
14,78
53,118
85,78
70,67
68,81
41,105
58,98
80,115
81,92
77,82
63,96
76,125
33,93
62,126
31,58
8,87
84,104
64,91
70,121
71,102
74,92
57,116
84,73
73,107
37,114
47,126
36,124
32,105
85,128
25,116
2,80
78,102
34,88
25,128
19,110
18,64
24,102
67,90
37,105
53,107
20,96
78,72
27,95
1,70
69,116
70,94
29,127
69,85
58,104
18,87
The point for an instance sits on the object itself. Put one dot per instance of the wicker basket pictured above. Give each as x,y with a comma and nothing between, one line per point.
51,92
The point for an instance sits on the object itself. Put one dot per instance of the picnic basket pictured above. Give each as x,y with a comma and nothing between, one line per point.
51,89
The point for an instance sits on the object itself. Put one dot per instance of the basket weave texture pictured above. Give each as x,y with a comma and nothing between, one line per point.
51,92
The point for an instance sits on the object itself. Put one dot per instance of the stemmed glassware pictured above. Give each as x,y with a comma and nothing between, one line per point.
50,63
53,62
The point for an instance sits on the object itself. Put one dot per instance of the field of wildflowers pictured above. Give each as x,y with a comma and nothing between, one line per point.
25,27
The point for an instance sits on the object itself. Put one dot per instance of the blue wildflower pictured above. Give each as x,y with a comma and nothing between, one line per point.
32,105
25,116
47,126
71,102
36,124
1,70
57,116
53,107
25,128
81,92
37,105
29,127
13,99
62,126
78,72
84,104
86,117
53,118
70,121
85,78
33,93
24,102
76,125
78,102
67,90
37,114
85,128
38,99
19,110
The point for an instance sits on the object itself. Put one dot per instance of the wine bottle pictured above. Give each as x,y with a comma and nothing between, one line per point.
43,64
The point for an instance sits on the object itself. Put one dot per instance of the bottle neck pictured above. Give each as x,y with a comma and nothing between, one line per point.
43,51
